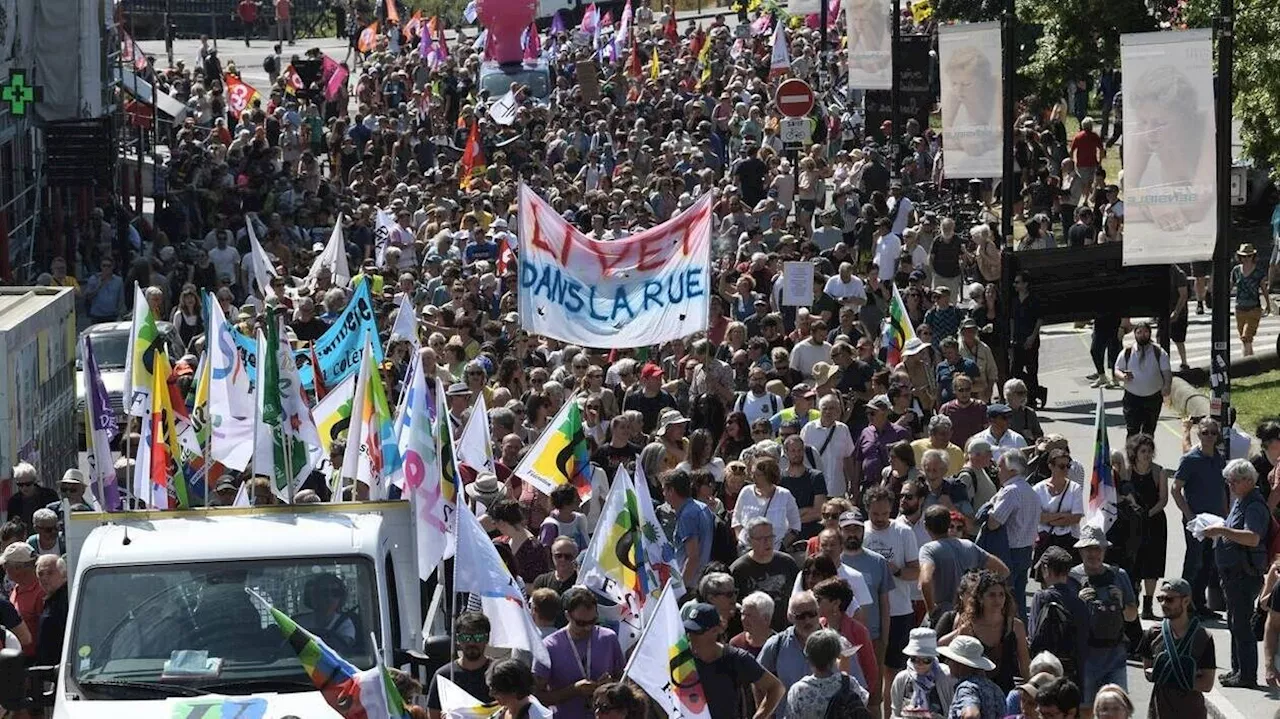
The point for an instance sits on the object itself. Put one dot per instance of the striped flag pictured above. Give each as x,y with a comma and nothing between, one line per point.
1100,490
367,694
616,562
663,663
897,329
372,453
559,456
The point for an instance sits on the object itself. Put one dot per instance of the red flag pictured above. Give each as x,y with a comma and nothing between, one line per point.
131,52
472,158
292,80
240,94
670,31
368,38
635,70
695,44
415,24
393,13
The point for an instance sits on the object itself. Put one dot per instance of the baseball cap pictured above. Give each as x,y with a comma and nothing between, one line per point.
1176,585
698,617
803,390
880,401
18,553
651,370
852,517
998,410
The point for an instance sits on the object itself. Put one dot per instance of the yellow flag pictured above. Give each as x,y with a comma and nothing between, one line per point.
654,68
704,59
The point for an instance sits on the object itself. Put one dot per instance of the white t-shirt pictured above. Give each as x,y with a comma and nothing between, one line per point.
805,354
888,250
840,447
856,582
839,289
922,536
761,406
226,262
781,511
1073,502
900,215
897,544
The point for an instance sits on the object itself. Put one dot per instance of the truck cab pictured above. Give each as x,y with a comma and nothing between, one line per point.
154,594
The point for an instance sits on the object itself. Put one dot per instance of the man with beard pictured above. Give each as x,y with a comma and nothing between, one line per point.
1144,372
471,635
1177,693
757,403
875,572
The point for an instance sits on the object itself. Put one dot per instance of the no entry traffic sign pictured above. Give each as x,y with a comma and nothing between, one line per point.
794,98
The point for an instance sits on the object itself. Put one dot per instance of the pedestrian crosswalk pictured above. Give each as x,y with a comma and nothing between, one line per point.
1199,344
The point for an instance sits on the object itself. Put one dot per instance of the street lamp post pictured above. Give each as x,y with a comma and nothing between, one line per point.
1008,185
895,91
1220,351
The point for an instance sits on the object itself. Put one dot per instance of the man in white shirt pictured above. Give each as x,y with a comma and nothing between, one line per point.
888,248
998,435
831,545
831,441
1144,371
901,209
898,546
846,287
813,349
757,402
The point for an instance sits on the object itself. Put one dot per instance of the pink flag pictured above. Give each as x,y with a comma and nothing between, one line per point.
590,20
761,25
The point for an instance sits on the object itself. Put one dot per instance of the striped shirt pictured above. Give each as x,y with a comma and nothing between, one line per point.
1017,508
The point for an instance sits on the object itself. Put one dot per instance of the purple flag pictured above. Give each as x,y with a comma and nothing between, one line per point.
101,428
557,23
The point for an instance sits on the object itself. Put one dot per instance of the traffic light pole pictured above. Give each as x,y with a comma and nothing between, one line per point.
1220,351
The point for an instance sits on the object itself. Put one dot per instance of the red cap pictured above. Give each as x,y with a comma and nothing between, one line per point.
651,370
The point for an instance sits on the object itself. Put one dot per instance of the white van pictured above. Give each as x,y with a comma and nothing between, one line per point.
160,619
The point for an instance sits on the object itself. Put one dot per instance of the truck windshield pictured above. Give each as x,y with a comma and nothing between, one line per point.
499,82
109,349
194,627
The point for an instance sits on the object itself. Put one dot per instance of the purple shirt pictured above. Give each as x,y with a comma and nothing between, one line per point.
566,666
872,448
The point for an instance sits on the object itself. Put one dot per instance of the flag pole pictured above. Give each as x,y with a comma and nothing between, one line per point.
644,632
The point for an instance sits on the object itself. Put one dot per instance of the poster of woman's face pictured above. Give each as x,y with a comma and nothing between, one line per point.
971,97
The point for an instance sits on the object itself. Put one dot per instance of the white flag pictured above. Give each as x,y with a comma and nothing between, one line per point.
230,395
658,548
663,664
382,229
457,703
504,110
262,269
406,326
780,62
433,513
475,445
479,570
334,257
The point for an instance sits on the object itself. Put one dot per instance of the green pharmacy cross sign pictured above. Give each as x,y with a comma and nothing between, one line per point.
18,95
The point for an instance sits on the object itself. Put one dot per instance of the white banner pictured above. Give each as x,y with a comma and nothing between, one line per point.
870,35
1170,193
646,289
971,100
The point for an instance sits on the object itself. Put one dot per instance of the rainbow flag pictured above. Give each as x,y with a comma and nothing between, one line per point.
1100,490
355,694
559,456
372,452
616,563
897,329
144,340
663,664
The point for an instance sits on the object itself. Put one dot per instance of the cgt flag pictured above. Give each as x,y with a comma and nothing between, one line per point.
240,94
663,663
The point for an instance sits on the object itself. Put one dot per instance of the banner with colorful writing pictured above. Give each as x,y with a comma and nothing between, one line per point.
1170,157
648,288
868,24
338,349
971,100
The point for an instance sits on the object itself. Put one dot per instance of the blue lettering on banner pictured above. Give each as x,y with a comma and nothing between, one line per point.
549,282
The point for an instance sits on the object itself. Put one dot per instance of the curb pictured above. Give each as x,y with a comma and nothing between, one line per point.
1186,399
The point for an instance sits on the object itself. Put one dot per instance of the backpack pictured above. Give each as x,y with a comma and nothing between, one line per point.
1055,632
846,703
724,546
269,64
1106,618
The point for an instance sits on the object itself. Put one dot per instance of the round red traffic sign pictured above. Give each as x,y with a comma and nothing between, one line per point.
794,98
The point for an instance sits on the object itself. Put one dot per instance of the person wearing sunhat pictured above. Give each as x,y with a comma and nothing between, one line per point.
976,696
671,433
924,688
1108,594
1249,280
72,487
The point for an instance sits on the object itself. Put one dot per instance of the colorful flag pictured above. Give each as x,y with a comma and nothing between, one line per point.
623,35
615,564
635,70
479,570
470,12
663,665
393,12
368,38
353,693
780,60
590,20
559,456
372,454
532,43
427,45
670,31
760,25
286,445
557,23
1100,491
292,80
145,343
897,329
230,394
472,158
415,24
240,94
424,485
166,445
333,413
457,703
130,51
661,552
100,428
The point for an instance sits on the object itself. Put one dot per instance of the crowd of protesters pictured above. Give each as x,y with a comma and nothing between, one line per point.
853,531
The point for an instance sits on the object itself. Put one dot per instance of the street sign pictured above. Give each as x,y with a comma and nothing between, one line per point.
795,130
794,98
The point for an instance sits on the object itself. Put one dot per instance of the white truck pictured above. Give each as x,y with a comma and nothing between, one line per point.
150,590
37,382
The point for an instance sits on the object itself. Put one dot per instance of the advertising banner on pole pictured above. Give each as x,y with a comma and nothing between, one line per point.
646,289
972,94
870,44
1170,158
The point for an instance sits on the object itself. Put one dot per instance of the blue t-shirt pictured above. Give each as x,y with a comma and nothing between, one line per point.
875,570
1249,513
695,521
1202,482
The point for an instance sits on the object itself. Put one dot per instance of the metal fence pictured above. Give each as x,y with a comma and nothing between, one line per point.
144,19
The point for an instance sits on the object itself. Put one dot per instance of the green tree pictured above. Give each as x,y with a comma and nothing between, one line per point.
1256,80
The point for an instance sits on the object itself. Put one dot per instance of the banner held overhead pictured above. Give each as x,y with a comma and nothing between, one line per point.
648,288
1170,192
971,100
